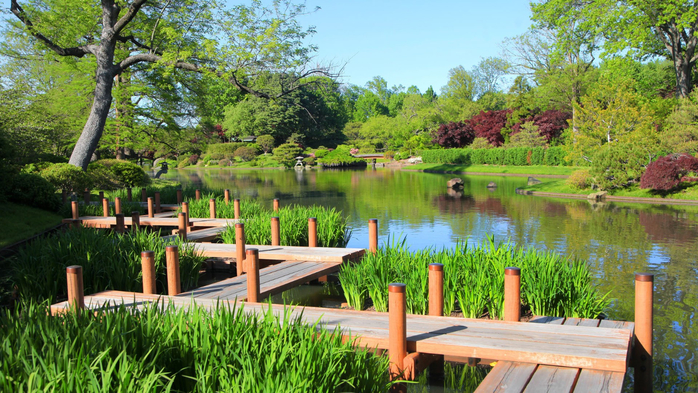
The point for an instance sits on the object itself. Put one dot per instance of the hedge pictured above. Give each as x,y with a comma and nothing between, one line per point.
520,156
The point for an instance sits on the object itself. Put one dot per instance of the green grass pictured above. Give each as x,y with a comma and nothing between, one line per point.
169,350
528,170
19,222
551,285
687,192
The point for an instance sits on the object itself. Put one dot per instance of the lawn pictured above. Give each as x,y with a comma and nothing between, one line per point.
686,192
18,222
503,169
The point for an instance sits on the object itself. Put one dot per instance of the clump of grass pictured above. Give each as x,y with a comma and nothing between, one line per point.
200,208
172,350
96,209
474,280
109,261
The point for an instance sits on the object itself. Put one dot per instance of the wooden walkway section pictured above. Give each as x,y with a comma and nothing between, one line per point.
200,235
165,220
516,377
285,253
592,348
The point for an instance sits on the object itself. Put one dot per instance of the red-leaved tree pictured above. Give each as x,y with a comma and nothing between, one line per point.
669,171
489,125
550,123
455,134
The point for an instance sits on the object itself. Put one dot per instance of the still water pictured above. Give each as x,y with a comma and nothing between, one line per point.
617,239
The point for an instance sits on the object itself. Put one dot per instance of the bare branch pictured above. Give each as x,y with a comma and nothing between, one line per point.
128,17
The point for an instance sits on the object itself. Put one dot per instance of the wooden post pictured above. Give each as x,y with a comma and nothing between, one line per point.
397,329
75,208
212,208
185,210
151,208
117,205
312,232
120,227
76,293
226,196
148,267
105,207
157,202
644,324
173,282
144,195
276,204
236,207
240,248
101,195
252,275
180,198
64,196
135,221
373,235
436,289
86,196
129,194
182,225
198,194
275,229
512,294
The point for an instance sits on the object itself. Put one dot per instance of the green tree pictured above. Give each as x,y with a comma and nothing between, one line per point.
681,128
266,142
488,74
460,85
234,44
528,136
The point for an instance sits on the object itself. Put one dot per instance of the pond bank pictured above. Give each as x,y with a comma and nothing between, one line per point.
656,201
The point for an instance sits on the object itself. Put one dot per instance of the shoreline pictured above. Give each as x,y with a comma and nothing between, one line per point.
486,173
610,198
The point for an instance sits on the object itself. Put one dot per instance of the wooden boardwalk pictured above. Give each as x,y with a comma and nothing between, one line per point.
285,253
161,220
516,377
604,349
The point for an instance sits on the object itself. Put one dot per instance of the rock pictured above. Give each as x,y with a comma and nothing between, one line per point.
455,183
597,195
492,185
533,181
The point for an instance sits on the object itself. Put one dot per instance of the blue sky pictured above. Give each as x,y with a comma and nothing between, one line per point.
412,42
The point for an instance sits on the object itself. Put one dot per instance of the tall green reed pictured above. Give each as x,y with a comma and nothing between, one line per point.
474,280
164,349
109,260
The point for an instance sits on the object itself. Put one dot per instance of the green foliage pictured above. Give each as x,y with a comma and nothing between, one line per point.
266,143
580,180
286,154
527,137
246,153
219,151
474,280
340,157
555,156
33,190
161,348
67,177
516,156
681,128
109,261
618,165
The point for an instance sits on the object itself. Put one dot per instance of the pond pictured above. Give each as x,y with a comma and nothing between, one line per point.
617,239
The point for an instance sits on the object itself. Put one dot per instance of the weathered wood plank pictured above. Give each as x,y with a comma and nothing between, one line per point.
166,221
201,235
507,377
549,379
286,253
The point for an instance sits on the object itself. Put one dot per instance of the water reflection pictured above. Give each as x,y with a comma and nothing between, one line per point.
616,239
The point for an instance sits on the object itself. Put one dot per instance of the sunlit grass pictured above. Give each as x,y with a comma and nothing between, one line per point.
18,222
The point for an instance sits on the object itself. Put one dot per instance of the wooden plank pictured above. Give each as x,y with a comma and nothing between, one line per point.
552,379
286,253
166,221
594,381
201,235
446,335
507,377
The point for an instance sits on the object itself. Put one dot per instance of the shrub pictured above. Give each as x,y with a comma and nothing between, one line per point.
446,156
193,159
266,143
286,154
617,165
310,161
668,172
130,174
33,190
111,174
538,156
67,177
489,125
580,180
220,150
480,143
101,177
337,158
389,155
516,156
550,124
455,134
246,153
319,153
528,136
555,156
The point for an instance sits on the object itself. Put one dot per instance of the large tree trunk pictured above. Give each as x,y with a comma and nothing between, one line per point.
94,127
683,69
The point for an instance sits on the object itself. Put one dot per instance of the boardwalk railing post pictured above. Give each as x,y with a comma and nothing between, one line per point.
144,195
173,282
252,275
86,196
236,208
312,232
212,208
101,195
75,208
644,324
117,205
120,226
158,209
151,212
276,204
240,248
275,229
185,210
436,289
226,196
105,207
397,329
180,199
148,267
76,292
182,227
135,221
64,197
373,235
512,294
129,194
197,194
